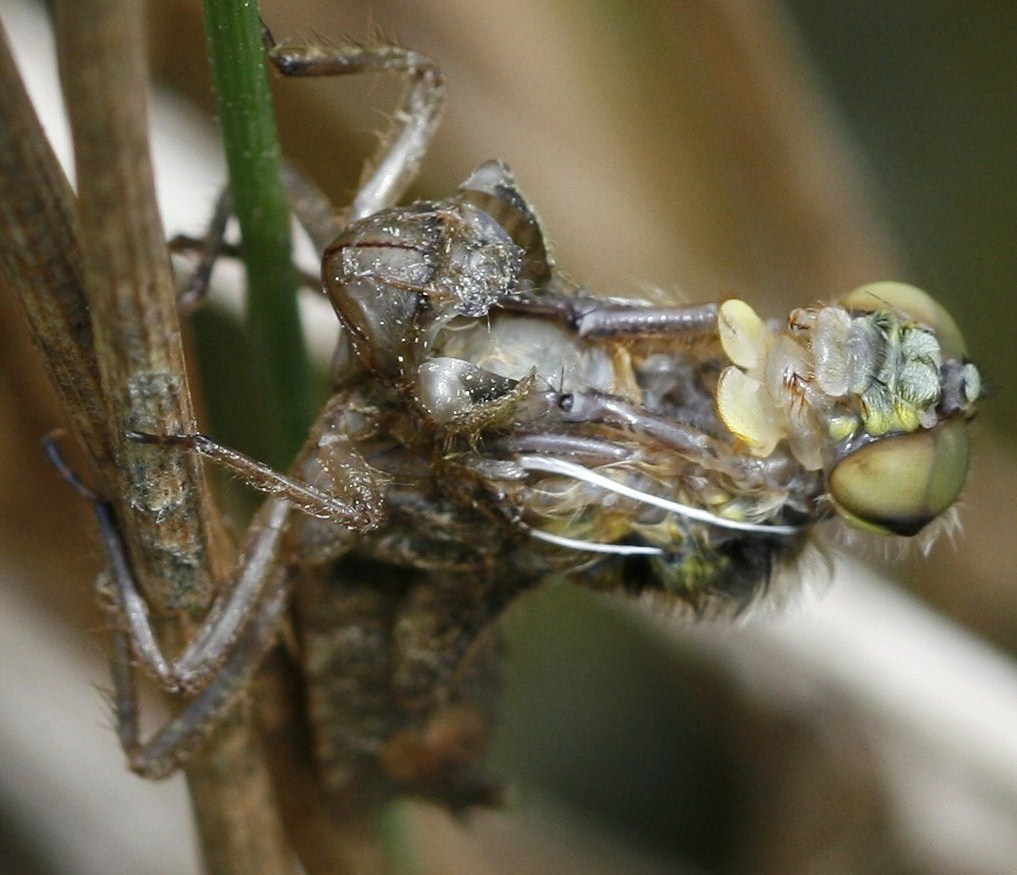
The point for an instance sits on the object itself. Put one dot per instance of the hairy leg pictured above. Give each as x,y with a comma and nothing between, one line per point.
398,160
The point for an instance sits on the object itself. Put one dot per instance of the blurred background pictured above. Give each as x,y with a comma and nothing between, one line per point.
780,152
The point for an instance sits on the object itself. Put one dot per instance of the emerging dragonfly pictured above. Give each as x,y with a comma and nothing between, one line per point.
493,424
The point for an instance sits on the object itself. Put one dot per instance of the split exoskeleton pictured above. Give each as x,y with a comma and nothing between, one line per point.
494,424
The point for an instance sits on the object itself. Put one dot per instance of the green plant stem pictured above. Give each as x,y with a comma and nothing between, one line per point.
240,79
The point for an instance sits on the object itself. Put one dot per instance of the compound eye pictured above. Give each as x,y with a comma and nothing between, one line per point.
897,485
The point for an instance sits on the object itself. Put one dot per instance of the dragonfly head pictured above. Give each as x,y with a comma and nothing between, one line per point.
874,390
907,461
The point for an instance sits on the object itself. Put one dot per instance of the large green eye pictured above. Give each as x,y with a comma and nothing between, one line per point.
897,485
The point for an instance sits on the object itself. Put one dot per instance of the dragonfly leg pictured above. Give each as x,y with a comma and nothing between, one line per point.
209,248
304,496
238,630
330,480
594,406
589,316
309,204
242,622
185,732
226,618
399,157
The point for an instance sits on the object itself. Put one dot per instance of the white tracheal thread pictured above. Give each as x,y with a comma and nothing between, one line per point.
579,472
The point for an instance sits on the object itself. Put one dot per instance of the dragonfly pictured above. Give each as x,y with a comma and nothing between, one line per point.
494,425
